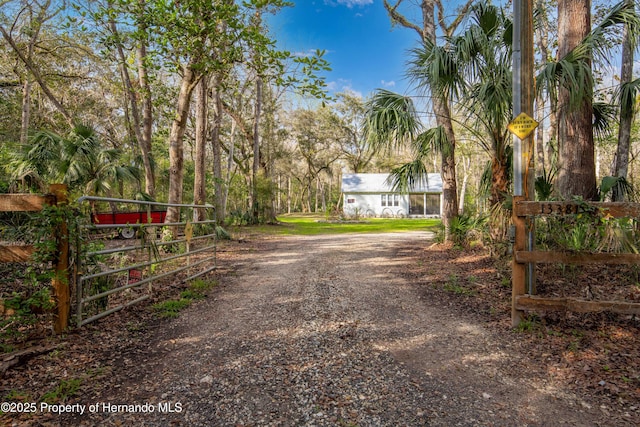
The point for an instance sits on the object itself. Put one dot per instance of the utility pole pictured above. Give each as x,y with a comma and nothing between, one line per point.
523,152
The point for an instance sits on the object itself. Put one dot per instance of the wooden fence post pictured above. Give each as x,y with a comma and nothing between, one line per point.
519,268
61,278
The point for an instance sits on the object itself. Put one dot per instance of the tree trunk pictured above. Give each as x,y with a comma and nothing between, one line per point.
279,195
147,120
621,160
443,118
33,69
26,111
576,173
176,143
141,129
466,164
440,108
228,178
542,36
199,178
499,181
288,194
216,145
552,135
317,195
36,26
256,152
539,136
449,185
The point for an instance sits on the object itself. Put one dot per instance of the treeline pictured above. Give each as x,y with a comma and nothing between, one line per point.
182,101
192,101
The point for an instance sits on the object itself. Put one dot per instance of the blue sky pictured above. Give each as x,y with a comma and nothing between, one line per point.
365,52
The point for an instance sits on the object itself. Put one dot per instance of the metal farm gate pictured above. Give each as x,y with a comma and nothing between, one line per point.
124,252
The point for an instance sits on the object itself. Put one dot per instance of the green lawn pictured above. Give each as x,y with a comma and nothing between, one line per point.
308,224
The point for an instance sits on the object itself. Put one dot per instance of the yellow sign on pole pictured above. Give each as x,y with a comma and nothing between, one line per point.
522,126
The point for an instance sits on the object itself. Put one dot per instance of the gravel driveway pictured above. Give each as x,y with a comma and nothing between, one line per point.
324,331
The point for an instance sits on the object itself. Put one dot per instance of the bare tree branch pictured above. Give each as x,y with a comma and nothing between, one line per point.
401,19
448,30
36,74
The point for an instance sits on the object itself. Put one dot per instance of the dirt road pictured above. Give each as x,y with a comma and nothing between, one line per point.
325,331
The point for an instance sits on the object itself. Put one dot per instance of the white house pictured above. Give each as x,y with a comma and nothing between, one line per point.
371,195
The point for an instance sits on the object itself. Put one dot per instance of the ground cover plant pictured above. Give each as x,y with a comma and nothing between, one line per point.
196,290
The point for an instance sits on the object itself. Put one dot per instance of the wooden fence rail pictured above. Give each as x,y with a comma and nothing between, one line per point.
522,302
23,253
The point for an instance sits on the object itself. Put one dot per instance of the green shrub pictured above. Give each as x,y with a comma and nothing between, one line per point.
222,234
465,229
191,294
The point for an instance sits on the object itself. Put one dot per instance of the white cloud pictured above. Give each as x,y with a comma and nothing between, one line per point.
387,84
348,3
309,53
302,54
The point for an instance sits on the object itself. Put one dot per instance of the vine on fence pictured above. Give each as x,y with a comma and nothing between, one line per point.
26,293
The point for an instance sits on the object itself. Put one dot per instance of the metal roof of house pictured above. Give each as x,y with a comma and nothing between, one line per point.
377,183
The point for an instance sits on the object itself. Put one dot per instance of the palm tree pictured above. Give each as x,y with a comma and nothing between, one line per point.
627,96
78,160
440,101
476,72
472,69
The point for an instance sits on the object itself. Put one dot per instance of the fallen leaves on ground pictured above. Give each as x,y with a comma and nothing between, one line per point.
594,355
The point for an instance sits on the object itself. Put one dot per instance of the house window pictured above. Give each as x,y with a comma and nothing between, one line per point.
432,206
416,204
351,200
389,200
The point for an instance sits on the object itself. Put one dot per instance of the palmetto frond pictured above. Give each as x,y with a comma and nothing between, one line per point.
483,53
573,72
436,68
433,139
627,95
617,184
391,119
623,13
569,73
405,177
39,160
491,98
604,116
79,160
